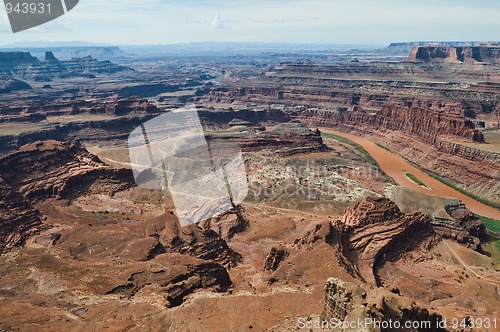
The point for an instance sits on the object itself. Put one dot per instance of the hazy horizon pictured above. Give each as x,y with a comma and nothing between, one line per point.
355,22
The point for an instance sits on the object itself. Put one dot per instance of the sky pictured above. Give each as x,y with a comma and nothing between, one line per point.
140,22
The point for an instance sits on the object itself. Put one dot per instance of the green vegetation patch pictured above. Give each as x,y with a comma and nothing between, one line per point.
415,179
491,224
384,147
494,249
465,192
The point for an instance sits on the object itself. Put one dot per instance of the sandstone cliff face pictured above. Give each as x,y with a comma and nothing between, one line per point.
345,301
51,169
285,139
375,230
227,224
111,106
420,122
194,241
8,85
118,118
451,54
178,277
47,170
24,65
18,220
12,59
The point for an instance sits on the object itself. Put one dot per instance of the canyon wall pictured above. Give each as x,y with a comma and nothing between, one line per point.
423,123
455,54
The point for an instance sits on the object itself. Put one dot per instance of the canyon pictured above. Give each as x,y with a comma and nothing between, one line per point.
327,230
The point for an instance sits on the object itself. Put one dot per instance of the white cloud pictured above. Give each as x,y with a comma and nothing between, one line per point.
218,23
326,21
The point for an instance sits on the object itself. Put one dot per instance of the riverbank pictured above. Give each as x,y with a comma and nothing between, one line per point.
395,167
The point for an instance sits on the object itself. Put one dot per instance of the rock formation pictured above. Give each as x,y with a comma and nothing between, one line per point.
51,169
176,277
347,302
455,54
375,230
8,85
285,139
46,170
9,60
197,242
119,118
49,56
227,224
274,258
23,64
18,219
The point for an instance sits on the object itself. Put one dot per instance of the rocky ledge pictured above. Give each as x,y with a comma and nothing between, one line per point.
455,54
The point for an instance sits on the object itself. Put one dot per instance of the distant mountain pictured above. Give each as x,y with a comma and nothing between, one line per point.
239,47
23,65
100,53
404,48
41,44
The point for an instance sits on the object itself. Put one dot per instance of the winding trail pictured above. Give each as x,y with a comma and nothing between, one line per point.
394,166
302,212
467,267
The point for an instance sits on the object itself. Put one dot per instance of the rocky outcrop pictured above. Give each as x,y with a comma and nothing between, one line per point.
51,169
195,241
18,219
224,117
118,118
375,230
8,85
421,122
146,90
405,47
48,170
347,302
275,257
463,227
22,64
451,161
9,60
285,139
321,233
174,278
132,106
227,224
49,56
455,54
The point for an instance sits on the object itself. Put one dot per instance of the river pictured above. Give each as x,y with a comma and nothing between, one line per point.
394,166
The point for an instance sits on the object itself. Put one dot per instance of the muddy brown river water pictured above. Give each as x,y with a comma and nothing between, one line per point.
394,166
